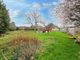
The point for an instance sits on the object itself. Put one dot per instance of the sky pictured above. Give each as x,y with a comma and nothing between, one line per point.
19,8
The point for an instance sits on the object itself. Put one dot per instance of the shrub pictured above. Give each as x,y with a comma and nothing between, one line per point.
25,47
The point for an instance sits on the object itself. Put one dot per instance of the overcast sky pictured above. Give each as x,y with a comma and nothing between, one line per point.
19,8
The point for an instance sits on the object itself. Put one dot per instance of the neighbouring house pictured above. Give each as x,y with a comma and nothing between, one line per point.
48,28
55,28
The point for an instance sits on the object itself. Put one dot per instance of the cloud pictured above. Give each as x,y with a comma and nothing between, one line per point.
22,4
36,5
39,6
54,3
61,1
15,3
28,25
11,1
14,14
48,5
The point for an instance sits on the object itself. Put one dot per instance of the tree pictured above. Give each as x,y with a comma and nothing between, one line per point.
69,11
12,26
50,25
4,18
34,18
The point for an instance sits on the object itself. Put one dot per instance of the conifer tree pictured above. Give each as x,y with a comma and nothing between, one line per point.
4,18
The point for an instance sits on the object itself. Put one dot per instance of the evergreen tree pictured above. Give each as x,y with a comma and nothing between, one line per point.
4,18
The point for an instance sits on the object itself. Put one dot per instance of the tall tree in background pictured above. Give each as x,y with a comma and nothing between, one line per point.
34,18
69,11
4,18
50,25
12,26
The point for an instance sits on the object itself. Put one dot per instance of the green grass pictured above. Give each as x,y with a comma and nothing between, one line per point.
55,45
8,37
58,46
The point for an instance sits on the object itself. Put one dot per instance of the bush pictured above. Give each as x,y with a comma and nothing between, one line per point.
25,47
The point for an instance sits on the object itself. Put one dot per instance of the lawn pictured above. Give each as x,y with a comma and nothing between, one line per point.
55,45
59,46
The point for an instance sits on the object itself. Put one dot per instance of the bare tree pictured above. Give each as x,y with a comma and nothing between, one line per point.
34,18
29,19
